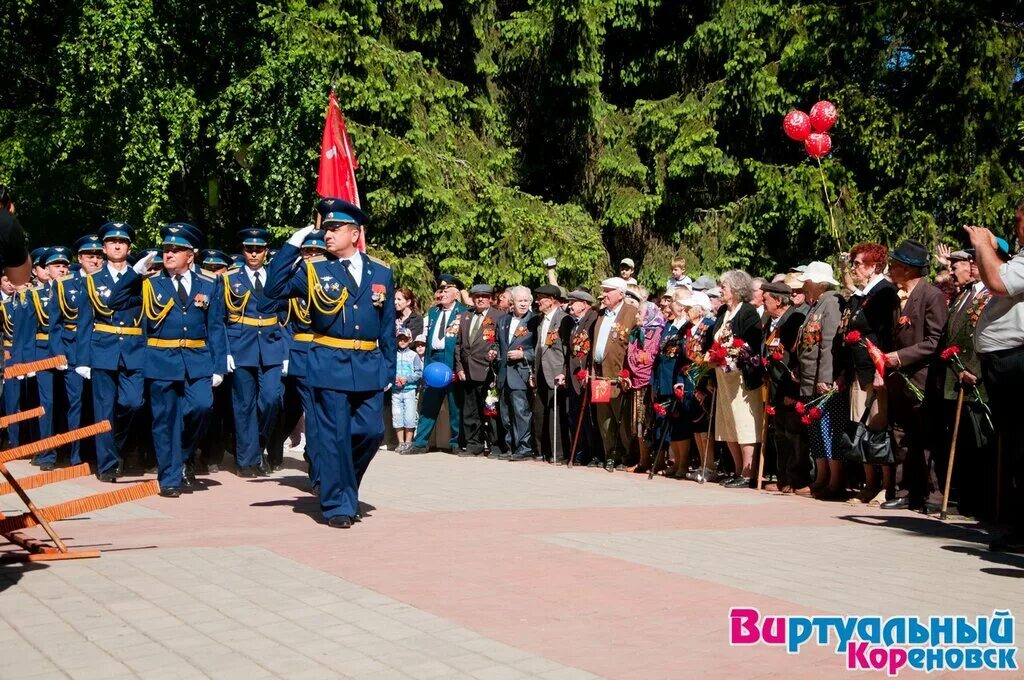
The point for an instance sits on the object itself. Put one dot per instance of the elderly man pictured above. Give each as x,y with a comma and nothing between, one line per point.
477,339
920,320
577,360
999,340
517,331
442,331
615,321
549,369
780,338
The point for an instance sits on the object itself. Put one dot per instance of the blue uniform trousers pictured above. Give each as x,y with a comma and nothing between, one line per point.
71,418
181,409
117,397
12,405
348,428
430,406
256,399
298,400
44,387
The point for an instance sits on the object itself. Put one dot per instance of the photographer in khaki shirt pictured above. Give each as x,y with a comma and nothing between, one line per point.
999,341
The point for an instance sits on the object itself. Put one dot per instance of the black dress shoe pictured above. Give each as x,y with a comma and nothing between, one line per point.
189,474
499,455
47,467
248,471
170,491
593,462
107,477
212,469
315,490
1011,543
413,451
340,522
737,483
901,503
609,465
466,453
520,456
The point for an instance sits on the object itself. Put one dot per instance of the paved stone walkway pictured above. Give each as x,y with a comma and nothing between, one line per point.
472,568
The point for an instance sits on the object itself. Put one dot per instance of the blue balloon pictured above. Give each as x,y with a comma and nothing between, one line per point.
437,375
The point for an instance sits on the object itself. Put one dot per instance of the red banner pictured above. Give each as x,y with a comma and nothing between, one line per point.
338,162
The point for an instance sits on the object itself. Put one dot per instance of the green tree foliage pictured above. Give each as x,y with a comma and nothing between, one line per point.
494,133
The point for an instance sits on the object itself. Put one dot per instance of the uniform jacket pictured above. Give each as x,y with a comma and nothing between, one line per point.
471,353
515,374
9,311
200,319
102,350
549,356
782,373
249,344
579,336
815,342
31,325
68,295
918,330
873,315
367,314
451,333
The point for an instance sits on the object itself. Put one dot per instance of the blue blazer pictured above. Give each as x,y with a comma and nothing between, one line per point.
516,374
31,325
202,318
446,355
254,345
107,351
68,294
362,317
11,312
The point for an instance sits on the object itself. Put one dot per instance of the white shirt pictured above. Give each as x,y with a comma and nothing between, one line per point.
251,273
356,267
186,281
115,274
1001,325
545,326
512,326
443,319
871,284
601,341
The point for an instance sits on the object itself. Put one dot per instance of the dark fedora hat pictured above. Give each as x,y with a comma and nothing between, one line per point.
911,252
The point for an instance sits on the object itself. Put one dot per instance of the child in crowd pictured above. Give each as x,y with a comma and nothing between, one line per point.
679,277
403,394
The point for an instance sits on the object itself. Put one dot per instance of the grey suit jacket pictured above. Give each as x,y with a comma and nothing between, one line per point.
515,373
550,353
814,357
471,352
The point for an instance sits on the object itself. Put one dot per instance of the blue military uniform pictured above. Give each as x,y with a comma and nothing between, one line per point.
257,348
351,359
221,428
440,323
183,322
110,348
62,310
12,387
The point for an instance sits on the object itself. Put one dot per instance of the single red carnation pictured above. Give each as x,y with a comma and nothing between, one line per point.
853,337
769,410
680,393
806,420
659,410
581,374
624,374
800,407
776,356
737,342
950,352
814,413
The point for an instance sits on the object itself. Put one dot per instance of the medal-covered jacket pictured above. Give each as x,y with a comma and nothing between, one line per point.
253,323
108,336
182,341
339,316
68,294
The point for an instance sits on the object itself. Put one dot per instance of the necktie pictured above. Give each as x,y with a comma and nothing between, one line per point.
441,324
258,286
476,325
117,277
182,295
352,285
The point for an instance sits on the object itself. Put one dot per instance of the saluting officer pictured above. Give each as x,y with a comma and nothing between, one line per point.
351,361
298,399
186,350
109,351
256,350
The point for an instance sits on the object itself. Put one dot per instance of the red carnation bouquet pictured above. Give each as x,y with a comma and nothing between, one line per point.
952,354
811,412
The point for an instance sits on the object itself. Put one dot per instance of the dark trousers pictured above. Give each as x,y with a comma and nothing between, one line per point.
12,405
474,425
613,422
586,441
217,440
517,417
256,397
117,397
974,469
1003,373
181,410
792,460
297,402
348,427
430,408
909,436
545,422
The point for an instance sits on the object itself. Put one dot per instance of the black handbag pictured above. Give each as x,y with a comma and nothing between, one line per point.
866,446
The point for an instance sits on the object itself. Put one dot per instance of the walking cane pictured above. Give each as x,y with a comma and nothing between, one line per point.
579,423
952,453
765,396
661,444
707,445
554,428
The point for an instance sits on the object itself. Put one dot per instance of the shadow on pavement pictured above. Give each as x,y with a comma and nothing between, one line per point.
12,572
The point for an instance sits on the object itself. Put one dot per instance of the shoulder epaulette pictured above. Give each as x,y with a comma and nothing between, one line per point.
317,258
36,287
204,277
66,277
378,261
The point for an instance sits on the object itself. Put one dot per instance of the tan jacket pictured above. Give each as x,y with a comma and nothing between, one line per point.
618,342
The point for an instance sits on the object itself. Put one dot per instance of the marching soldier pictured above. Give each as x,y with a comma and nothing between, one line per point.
186,350
12,300
62,310
256,350
219,431
351,361
109,351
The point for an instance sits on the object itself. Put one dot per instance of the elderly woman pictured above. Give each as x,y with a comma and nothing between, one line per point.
816,376
644,342
871,312
739,404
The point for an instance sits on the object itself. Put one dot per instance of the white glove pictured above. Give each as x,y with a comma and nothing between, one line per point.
217,379
143,265
84,371
298,237
62,367
284,367
231,363
31,375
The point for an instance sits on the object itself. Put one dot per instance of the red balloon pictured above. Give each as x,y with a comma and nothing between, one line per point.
823,116
797,125
818,144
